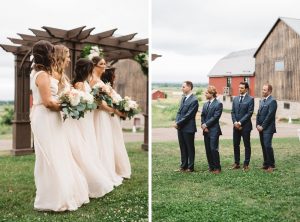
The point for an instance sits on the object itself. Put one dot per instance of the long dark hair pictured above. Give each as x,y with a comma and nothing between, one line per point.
109,76
42,52
83,69
96,60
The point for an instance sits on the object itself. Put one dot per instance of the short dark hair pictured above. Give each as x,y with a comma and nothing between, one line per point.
189,83
245,84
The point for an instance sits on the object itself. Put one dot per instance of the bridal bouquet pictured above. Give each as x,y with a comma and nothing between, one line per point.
102,92
127,106
75,103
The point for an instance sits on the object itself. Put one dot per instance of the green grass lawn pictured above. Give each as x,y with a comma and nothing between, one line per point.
233,195
129,202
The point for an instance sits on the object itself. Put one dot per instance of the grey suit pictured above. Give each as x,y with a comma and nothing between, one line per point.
186,123
266,118
210,116
242,112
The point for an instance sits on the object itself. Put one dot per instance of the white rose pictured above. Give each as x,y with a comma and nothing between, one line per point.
88,98
74,97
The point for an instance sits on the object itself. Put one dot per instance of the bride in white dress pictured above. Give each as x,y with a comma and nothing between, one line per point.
102,123
122,162
81,134
60,184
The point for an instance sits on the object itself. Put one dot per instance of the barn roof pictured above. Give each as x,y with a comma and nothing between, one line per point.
239,63
293,23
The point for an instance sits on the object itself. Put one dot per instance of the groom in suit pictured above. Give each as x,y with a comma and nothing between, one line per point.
242,110
265,124
186,127
210,116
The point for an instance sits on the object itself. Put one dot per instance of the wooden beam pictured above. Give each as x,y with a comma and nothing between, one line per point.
155,56
73,33
84,34
28,37
21,42
40,33
54,32
95,38
141,42
125,38
15,49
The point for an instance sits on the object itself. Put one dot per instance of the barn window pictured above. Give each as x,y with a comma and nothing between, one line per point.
246,79
286,105
279,65
224,98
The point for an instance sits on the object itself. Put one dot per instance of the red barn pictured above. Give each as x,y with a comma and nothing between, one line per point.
157,94
234,68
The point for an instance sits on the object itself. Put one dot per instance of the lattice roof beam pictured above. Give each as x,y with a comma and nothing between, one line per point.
141,42
84,34
74,33
40,33
126,38
54,32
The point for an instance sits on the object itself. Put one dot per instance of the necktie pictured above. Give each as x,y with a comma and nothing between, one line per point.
183,100
241,98
208,106
265,100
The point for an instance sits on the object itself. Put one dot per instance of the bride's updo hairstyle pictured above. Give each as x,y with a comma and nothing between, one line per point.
42,52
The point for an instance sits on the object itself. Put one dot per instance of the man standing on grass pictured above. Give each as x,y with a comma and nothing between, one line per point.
265,124
210,116
186,127
242,110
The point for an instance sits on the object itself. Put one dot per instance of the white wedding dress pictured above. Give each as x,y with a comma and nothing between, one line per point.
82,139
60,184
122,162
105,143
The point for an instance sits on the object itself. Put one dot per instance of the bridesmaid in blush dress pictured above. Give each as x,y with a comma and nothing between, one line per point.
103,128
60,184
122,162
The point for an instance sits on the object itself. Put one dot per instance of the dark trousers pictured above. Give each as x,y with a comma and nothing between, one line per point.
237,135
212,151
187,149
267,149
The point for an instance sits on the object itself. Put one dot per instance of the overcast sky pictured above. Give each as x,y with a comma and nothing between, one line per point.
193,35
16,16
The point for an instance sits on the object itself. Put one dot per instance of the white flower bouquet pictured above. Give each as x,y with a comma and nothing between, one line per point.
127,106
102,92
75,103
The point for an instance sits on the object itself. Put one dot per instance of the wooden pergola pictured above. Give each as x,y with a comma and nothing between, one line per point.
114,48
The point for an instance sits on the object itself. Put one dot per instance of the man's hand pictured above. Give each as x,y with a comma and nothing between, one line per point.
259,128
203,126
175,126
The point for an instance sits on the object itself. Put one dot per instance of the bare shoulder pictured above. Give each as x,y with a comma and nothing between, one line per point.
42,77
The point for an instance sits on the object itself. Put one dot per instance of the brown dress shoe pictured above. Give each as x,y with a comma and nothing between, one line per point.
235,166
245,167
216,171
189,170
269,170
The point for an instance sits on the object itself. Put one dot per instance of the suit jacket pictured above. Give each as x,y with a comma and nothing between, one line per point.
186,114
242,112
266,115
211,117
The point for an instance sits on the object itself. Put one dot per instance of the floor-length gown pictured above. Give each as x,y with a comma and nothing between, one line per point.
82,139
122,162
105,143
60,184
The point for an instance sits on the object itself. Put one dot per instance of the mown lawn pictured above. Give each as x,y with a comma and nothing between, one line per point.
129,202
233,195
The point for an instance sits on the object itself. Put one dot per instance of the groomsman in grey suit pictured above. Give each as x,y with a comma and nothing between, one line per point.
186,127
242,110
265,124
210,116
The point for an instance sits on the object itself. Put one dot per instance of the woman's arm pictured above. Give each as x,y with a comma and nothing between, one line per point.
43,83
